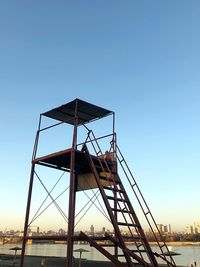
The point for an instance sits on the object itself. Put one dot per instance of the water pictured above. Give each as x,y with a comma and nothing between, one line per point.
189,254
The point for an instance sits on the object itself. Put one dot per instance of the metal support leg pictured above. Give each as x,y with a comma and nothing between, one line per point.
72,195
27,216
71,212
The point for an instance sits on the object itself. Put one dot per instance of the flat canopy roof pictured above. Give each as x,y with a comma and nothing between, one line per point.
86,112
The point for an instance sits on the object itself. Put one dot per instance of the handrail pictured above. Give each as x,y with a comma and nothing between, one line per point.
146,213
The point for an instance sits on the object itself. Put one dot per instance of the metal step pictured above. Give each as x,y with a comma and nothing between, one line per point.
127,224
120,255
108,245
99,168
113,189
118,199
122,211
135,238
109,179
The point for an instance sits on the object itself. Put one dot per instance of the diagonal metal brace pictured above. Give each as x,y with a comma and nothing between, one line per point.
101,249
132,254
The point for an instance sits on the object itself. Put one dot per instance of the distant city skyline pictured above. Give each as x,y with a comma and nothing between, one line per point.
192,228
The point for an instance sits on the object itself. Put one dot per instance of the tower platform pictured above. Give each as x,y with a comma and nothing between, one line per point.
85,179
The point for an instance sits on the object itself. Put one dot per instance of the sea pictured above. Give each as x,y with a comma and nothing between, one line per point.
190,255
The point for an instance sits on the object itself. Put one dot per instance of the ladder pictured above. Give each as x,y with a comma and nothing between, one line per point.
117,203
146,211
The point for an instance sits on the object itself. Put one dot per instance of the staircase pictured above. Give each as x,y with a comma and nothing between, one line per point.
120,211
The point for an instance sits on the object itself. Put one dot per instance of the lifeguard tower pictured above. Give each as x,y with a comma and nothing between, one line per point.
92,167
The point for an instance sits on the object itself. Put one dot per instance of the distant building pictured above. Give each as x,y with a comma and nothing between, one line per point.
61,232
164,229
196,227
92,230
103,230
170,229
160,227
50,232
193,229
189,229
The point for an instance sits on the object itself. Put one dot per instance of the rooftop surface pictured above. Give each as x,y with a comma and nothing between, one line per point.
86,112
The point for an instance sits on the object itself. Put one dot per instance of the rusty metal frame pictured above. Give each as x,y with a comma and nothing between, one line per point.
118,240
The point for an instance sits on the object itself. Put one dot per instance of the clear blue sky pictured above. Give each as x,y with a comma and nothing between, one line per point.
138,58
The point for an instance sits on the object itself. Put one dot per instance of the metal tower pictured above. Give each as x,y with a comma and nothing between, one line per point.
92,167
